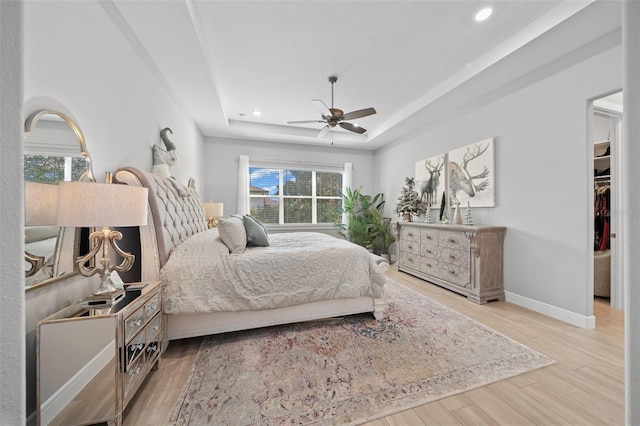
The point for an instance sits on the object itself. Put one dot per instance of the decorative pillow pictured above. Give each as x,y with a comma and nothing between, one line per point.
256,232
233,234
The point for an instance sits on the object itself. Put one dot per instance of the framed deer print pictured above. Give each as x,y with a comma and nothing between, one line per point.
430,179
471,175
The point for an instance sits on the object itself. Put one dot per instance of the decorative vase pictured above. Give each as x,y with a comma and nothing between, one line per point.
457,217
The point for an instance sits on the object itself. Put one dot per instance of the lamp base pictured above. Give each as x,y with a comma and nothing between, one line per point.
106,285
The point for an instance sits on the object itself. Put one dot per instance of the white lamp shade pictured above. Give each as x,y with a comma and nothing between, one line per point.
87,204
40,204
214,209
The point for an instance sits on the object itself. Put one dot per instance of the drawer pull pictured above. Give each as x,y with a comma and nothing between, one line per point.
410,234
135,324
155,328
429,265
153,307
452,256
429,237
410,247
429,251
410,259
452,241
135,371
452,272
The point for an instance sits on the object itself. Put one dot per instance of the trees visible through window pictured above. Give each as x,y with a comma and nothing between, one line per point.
52,169
285,196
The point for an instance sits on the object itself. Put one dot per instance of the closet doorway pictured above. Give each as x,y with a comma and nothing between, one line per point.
605,139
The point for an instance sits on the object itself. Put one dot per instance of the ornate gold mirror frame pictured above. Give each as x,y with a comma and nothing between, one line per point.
65,244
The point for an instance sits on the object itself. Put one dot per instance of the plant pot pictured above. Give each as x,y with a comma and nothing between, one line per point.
386,256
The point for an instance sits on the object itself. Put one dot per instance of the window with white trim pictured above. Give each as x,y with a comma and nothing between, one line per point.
295,194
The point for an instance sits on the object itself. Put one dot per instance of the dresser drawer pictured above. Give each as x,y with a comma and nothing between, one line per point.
410,260
134,349
456,240
429,236
412,247
133,324
429,266
454,274
152,307
455,257
431,251
410,234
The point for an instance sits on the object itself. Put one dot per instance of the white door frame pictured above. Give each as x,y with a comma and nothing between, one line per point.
615,222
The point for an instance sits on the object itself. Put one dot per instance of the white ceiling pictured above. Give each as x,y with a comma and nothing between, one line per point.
413,61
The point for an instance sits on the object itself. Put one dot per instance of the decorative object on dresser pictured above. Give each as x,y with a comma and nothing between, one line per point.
84,204
213,211
409,202
429,179
465,259
91,361
471,174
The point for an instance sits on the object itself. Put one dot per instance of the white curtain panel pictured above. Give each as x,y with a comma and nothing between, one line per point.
346,183
243,185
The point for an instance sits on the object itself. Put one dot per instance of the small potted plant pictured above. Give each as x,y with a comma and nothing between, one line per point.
409,202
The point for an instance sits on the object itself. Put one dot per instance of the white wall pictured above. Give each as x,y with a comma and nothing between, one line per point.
12,348
77,61
221,165
542,186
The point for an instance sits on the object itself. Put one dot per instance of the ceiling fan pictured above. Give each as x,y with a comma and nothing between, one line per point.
336,117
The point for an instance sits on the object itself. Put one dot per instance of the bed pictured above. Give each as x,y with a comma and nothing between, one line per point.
209,287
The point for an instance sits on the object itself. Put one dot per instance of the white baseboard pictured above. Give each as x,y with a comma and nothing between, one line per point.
583,321
63,396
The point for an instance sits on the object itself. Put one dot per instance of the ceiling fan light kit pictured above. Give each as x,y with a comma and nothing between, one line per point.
337,117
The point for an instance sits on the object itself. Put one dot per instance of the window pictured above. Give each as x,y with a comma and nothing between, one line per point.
286,196
53,169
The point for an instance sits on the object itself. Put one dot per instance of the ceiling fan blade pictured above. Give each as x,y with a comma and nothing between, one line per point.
352,127
322,110
359,113
324,131
305,121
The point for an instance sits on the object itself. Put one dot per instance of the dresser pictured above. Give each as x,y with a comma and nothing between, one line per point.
464,259
93,359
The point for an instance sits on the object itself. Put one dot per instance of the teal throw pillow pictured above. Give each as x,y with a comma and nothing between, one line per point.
256,232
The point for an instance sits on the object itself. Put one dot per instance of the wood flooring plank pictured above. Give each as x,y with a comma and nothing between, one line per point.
436,414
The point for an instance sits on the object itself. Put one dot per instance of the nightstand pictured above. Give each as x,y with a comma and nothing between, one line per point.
93,359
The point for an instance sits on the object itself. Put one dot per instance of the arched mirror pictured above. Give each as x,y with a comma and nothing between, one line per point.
54,150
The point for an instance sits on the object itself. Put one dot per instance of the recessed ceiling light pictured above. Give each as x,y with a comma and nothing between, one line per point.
256,113
483,14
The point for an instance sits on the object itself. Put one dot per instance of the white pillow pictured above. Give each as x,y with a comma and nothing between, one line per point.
233,234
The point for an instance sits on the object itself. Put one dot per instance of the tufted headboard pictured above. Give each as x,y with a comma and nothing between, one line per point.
173,218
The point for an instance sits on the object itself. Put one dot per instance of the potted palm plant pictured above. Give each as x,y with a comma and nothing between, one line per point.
364,218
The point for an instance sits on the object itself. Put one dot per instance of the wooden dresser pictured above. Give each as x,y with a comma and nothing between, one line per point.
92,360
465,259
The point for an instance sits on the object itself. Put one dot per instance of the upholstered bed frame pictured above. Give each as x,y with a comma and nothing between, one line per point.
173,219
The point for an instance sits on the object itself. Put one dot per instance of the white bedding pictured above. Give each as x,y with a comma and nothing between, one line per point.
201,276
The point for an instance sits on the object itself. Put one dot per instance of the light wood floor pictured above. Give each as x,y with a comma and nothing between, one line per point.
585,387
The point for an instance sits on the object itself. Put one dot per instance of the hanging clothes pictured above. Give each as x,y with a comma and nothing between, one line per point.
601,216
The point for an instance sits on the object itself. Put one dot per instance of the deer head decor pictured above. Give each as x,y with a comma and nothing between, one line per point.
461,180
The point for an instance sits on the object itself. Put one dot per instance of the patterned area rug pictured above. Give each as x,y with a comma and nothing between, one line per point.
347,370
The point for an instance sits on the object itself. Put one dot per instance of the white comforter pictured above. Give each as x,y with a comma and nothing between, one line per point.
201,276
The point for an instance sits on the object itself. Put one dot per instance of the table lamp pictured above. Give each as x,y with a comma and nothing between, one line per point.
213,211
40,209
88,204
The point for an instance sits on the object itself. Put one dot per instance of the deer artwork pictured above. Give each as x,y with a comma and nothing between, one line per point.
429,187
461,180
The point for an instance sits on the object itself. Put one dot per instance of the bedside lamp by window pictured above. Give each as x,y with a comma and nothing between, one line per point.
213,211
85,204
40,209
